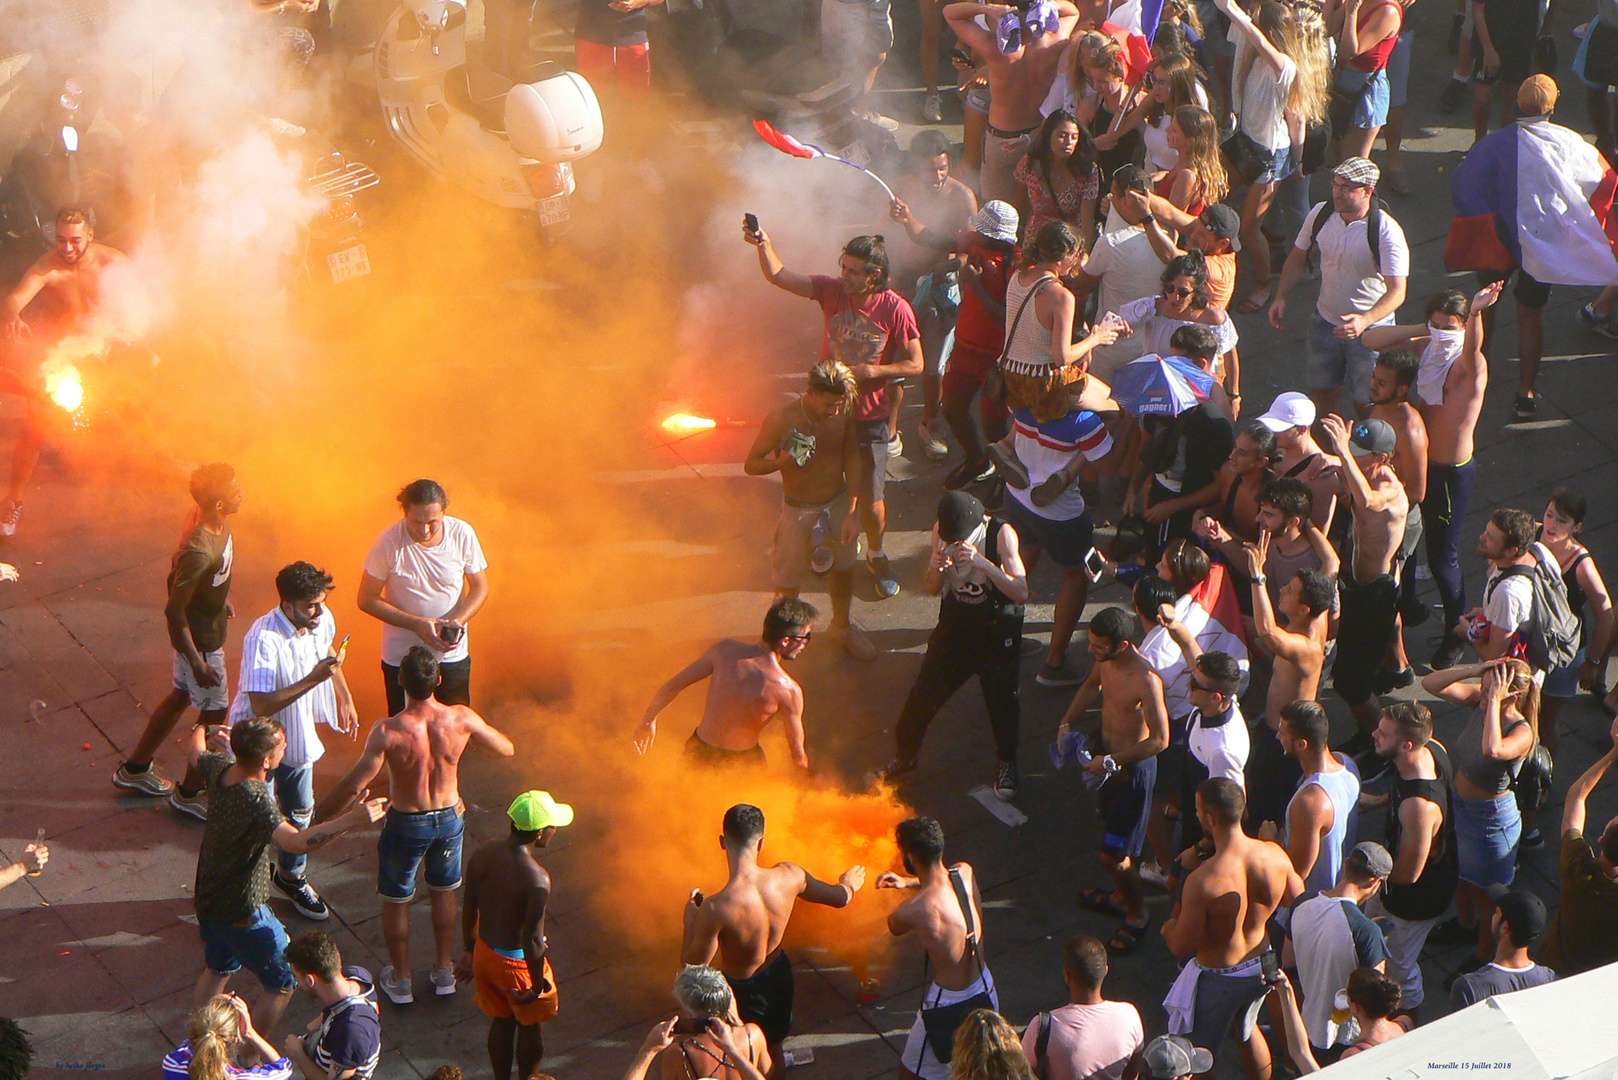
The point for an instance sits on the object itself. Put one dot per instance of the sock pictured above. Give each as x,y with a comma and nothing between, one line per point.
186,794
131,767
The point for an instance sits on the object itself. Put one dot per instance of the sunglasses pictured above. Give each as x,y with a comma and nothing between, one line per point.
803,637
1182,293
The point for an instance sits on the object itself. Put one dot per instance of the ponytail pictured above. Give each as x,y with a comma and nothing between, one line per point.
1525,688
215,1033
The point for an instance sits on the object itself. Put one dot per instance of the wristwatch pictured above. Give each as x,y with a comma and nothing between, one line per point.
1259,579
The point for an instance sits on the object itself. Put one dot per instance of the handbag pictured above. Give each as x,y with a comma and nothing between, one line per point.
994,384
1601,54
1243,154
943,1021
1343,106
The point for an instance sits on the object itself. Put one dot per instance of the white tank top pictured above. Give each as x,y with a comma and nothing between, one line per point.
1028,351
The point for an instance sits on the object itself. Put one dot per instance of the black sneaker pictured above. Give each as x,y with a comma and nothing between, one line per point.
1388,681
895,769
1532,840
1452,96
1451,932
966,473
1452,45
1523,407
303,896
1451,652
1413,615
1600,324
996,496
1005,781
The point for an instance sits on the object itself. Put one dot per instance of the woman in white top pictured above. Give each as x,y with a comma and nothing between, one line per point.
1275,90
1172,83
1184,302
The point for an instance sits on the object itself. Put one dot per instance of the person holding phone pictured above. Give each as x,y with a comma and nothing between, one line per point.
707,1039
424,579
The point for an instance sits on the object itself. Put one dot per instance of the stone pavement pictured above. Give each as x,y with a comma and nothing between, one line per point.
102,949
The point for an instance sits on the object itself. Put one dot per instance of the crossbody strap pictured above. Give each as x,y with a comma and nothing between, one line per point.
1035,290
965,901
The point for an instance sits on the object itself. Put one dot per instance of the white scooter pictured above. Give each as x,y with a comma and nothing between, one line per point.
510,143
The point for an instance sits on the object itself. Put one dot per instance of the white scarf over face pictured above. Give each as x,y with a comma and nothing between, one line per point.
965,580
1443,348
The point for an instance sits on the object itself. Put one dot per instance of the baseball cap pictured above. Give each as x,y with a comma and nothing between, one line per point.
535,810
1289,410
1358,170
1224,223
1373,858
1523,911
959,512
996,220
1170,1056
1537,96
1373,437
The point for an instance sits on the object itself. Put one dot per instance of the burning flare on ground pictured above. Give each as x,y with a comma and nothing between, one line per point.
686,424
64,387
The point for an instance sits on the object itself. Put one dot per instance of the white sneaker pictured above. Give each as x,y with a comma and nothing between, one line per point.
443,981
9,518
1153,874
934,447
398,990
932,110
896,448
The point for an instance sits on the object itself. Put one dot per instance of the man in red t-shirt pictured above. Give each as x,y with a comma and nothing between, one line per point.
871,329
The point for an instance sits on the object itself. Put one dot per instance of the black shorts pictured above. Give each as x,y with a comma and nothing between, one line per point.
1516,49
766,998
1125,802
1530,292
717,757
872,437
1066,542
1364,629
1272,777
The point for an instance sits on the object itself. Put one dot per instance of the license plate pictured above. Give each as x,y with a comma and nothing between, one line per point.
349,263
554,210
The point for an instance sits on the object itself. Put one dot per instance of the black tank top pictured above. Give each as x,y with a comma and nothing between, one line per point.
985,604
1123,153
1575,592
1429,894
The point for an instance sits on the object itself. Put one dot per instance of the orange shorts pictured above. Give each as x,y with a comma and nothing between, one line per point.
495,977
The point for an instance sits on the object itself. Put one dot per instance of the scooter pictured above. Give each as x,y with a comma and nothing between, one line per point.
49,173
332,242
512,143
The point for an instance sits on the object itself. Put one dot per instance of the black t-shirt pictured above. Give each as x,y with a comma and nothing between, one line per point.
600,24
233,867
1429,894
980,604
204,561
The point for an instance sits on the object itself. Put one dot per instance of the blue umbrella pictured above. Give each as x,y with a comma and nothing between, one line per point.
1161,386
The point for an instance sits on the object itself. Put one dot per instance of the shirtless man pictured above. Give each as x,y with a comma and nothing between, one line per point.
945,918
1220,927
1392,377
745,921
1018,83
1322,814
1134,730
66,281
422,748
811,442
1297,642
503,934
1241,481
747,689
1451,382
1369,592
1290,416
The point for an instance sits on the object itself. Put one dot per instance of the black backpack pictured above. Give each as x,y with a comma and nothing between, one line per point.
1373,229
1533,779
1551,634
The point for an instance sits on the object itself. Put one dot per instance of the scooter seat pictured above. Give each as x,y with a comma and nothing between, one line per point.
476,90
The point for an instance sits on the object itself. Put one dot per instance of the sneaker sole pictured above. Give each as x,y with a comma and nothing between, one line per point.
190,811
443,991
1057,684
409,999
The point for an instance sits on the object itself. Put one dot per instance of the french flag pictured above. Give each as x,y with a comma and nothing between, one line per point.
1535,195
1133,24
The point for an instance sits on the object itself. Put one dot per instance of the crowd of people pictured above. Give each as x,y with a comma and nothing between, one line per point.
1068,302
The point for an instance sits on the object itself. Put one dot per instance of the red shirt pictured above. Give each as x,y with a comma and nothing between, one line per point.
976,326
1377,58
871,332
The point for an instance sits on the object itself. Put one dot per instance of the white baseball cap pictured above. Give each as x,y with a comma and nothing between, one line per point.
1289,410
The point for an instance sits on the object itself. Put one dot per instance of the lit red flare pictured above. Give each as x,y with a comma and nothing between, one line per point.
64,387
685,424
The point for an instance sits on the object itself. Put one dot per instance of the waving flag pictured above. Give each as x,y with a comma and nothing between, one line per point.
1211,613
788,145
1133,24
1535,195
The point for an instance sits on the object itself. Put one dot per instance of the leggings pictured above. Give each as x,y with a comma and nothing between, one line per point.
1449,494
957,650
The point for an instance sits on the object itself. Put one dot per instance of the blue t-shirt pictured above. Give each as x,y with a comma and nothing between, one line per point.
1492,979
350,1031
177,1066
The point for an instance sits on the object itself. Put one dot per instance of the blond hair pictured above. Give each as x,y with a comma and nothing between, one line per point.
1307,44
1525,688
832,377
216,1031
987,1048
1201,154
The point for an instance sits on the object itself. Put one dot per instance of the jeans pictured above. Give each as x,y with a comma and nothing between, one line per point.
259,945
409,839
454,689
1331,361
957,650
295,791
938,300
1443,513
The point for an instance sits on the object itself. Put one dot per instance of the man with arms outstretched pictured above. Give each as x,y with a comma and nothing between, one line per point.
1219,927
745,921
747,689
422,748
503,934
1134,730
945,918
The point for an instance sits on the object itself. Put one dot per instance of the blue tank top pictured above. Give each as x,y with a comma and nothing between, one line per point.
1342,787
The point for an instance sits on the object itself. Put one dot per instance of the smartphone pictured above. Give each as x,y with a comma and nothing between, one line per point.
961,54
1094,564
1269,962
691,1025
750,222
342,649
451,633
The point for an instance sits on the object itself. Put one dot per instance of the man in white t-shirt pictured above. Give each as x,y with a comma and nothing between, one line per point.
1124,266
1089,1038
1508,598
424,579
1359,286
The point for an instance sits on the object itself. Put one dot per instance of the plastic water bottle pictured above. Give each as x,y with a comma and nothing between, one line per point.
820,556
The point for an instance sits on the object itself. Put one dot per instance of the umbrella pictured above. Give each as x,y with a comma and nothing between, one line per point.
1161,386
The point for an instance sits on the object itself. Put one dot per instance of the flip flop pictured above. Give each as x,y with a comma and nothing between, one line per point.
1127,937
1253,307
1100,900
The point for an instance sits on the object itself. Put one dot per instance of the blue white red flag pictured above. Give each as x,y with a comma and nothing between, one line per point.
1133,24
1535,195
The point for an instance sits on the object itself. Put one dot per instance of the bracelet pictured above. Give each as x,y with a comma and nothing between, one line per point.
1232,396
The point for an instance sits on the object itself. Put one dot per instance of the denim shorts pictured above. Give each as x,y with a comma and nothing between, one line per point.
1371,90
1563,682
409,838
259,946
1486,836
1277,164
1580,56
1331,361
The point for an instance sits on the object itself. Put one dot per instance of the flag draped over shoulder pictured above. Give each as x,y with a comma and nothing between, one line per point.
1535,195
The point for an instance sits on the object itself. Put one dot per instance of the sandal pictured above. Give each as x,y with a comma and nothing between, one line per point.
1100,900
1127,937
1252,305
1051,489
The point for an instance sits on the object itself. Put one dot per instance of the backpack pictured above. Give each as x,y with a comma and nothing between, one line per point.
1373,229
1042,1043
1551,635
1532,781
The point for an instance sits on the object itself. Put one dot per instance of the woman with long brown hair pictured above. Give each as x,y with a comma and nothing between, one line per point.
1173,83
1198,175
1059,177
988,1048
219,1031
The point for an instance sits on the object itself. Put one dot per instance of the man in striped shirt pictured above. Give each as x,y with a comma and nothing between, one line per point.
346,1041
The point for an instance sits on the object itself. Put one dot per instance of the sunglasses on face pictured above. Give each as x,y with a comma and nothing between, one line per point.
1182,293
803,637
